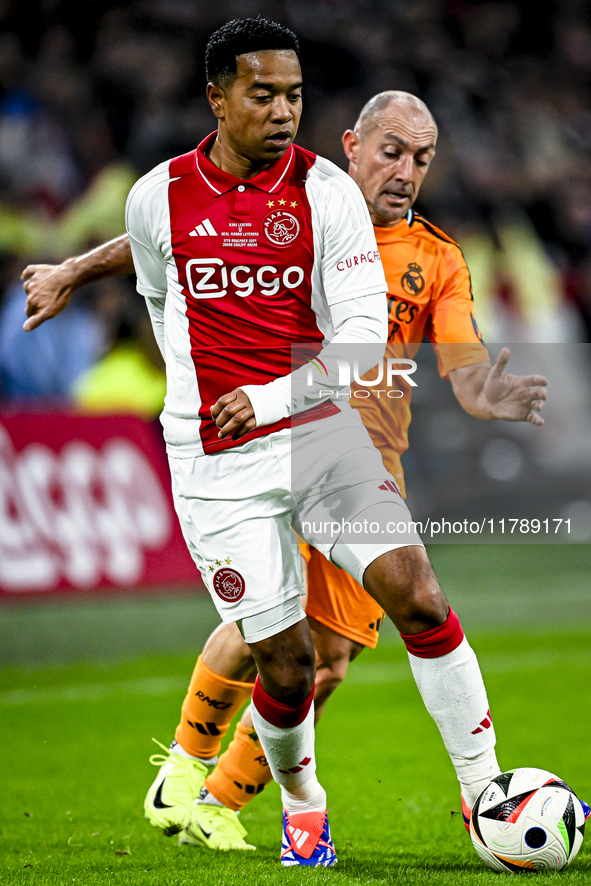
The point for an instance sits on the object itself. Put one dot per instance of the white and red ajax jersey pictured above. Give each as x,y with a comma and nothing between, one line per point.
244,270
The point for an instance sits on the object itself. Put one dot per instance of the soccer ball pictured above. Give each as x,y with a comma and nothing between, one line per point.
527,820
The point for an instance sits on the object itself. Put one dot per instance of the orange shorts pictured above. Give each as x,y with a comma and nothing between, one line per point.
339,602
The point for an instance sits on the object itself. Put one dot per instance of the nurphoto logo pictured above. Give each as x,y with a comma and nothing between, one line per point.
385,373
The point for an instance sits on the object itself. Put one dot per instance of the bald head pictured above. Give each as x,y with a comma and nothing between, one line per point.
389,153
388,102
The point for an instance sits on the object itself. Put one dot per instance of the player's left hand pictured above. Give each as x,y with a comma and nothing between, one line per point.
234,415
514,397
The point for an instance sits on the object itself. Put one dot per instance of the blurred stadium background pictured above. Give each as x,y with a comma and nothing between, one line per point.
92,95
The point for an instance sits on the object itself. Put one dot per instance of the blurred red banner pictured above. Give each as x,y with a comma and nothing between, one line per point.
85,504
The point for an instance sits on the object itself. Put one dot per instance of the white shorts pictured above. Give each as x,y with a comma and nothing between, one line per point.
236,510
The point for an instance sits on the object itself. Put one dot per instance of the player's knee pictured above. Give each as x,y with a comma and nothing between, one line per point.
286,664
403,582
291,684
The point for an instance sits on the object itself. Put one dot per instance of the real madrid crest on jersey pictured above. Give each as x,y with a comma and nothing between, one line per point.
413,282
281,228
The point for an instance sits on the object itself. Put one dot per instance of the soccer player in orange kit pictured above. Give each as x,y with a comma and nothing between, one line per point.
429,293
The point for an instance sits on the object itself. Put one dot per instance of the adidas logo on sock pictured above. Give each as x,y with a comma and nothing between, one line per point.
298,768
205,229
484,724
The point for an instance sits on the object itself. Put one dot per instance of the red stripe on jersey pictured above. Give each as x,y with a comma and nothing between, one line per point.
244,253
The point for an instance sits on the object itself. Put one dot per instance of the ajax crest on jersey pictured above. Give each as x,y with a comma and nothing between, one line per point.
527,820
281,227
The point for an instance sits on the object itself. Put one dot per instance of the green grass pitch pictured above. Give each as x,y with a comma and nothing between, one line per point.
76,740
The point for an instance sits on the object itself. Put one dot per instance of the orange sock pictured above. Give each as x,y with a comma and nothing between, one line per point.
242,771
208,709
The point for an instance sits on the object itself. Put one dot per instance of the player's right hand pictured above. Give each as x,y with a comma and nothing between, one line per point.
514,397
48,292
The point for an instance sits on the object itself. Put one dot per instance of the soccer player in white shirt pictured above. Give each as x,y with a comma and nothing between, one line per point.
243,248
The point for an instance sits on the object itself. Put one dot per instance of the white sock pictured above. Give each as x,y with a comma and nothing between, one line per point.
453,692
206,798
290,754
474,774
308,797
175,748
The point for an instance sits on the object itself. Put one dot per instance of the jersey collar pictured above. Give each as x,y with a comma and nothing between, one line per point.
221,182
400,229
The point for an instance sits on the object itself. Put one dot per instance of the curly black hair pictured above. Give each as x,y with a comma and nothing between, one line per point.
239,36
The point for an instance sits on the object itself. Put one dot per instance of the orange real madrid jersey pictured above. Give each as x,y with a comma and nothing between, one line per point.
429,295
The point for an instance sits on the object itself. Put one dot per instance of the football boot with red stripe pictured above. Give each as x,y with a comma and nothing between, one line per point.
466,814
306,840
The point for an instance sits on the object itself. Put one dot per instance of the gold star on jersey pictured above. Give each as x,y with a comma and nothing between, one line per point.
217,563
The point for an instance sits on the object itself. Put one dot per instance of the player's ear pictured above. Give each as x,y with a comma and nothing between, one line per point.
351,143
216,99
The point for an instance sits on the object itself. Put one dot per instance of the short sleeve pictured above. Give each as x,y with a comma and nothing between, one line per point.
143,220
452,327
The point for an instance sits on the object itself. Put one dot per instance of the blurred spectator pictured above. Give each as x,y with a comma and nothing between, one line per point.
99,213
45,365
130,376
519,290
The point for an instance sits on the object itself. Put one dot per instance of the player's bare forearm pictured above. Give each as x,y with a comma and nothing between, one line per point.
234,415
488,392
50,287
467,383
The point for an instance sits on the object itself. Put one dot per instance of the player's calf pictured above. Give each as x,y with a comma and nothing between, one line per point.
333,654
444,665
242,771
448,677
286,733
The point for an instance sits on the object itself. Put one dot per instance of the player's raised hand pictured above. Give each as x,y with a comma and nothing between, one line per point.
48,289
234,415
514,397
